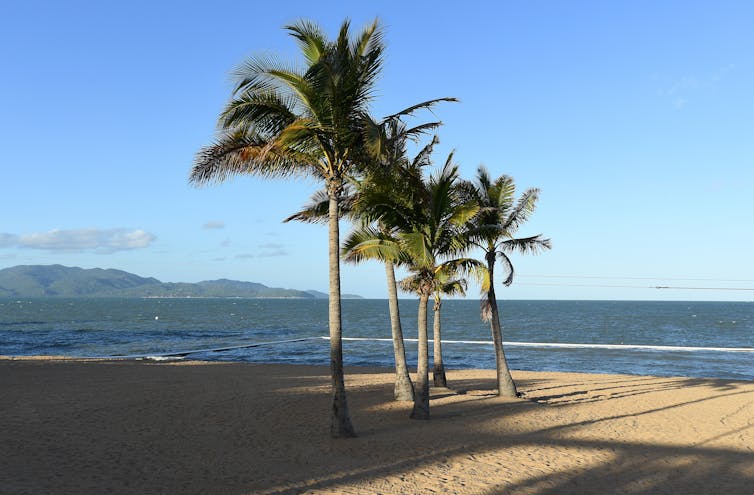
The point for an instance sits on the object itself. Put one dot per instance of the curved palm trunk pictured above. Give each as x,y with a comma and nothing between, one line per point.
438,370
421,395
403,390
505,385
340,425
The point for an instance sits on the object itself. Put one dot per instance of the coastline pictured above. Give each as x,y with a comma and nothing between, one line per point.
195,427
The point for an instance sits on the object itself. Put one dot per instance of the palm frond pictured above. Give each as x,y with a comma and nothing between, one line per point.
268,112
483,179
311,39
462,267
238,153
425,105
526,245
416,246
508,266
253,75
315,211
414,133
368,243
424,157
452,288
502,193
463,214
485,308
413,283
525,206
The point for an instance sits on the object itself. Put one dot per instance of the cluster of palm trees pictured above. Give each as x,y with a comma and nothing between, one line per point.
315,121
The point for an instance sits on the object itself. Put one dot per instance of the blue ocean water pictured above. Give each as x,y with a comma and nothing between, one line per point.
117,327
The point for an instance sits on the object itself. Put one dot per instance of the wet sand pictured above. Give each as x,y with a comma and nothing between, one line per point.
128,427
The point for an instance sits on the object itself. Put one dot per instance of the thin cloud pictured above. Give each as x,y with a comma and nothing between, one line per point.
269,250
680,90
270,254
272,249
214,225
98,240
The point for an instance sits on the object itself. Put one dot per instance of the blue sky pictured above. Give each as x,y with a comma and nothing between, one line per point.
634,119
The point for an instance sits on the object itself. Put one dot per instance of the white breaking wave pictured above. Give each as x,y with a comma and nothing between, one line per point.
180,354
574,346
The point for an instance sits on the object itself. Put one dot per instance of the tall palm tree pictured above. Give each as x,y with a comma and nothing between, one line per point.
283,122
493,230
428,228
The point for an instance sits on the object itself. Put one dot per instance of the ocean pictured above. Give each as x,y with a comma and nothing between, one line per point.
584,336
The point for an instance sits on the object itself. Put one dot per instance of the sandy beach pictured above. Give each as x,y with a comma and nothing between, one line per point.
126,427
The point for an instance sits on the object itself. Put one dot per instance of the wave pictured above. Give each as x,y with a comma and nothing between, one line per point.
543,345
576,346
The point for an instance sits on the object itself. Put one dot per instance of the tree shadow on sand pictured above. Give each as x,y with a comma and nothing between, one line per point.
474,431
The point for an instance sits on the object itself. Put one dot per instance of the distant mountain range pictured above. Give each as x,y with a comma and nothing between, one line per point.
64,281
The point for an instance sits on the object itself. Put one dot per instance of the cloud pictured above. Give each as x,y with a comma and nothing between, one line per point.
271,249
97,240
679,91
214,225
685,84
269,254
268,250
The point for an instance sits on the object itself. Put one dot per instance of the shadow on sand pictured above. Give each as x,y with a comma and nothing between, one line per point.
260,429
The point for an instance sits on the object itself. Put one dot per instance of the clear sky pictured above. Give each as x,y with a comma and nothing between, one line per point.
635,119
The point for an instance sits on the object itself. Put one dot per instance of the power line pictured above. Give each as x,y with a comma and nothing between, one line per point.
638,286
602,277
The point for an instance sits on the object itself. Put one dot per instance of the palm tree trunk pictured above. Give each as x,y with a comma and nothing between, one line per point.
403,390
505,385
438,370
421,395
340,425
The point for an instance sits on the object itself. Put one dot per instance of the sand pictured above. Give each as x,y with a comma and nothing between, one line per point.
125,427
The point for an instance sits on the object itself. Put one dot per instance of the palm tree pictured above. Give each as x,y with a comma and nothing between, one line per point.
446,284
395,178
388,173
427,225
493,231
284,122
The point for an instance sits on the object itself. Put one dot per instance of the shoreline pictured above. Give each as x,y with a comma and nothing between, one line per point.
180,357
239,428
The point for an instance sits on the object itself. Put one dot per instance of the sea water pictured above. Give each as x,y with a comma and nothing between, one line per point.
636,335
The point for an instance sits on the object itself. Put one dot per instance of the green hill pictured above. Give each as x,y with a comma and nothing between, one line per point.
63,281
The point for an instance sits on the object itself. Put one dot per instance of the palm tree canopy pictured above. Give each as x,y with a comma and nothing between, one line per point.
425,220
285,121
494,228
